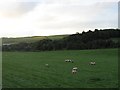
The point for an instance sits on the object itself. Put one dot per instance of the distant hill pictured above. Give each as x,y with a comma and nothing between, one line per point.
97,39
30,39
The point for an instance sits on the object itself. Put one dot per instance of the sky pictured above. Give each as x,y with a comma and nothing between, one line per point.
21,18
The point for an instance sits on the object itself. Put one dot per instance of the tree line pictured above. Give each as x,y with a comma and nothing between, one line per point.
96,39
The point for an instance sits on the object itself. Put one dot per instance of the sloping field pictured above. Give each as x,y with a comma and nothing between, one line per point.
30,39
28,70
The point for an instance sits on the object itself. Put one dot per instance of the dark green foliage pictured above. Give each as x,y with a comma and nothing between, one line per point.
86,40
45,44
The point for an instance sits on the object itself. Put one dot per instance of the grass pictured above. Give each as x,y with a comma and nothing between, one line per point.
28,70
30,39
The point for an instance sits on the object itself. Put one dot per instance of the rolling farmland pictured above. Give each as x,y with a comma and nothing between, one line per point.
30,39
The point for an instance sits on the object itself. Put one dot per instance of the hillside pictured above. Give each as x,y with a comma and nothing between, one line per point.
30,39
107,38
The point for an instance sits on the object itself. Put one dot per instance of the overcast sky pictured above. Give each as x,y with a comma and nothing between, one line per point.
20,18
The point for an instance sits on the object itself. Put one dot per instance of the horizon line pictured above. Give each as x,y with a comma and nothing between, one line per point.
54,34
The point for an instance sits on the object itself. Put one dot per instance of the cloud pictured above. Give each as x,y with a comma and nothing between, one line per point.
49,17
58,16
12,8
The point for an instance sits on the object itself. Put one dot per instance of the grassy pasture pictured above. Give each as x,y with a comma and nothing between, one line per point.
28,70
30,39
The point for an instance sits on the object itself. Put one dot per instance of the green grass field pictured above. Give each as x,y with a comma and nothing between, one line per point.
30,39
28,70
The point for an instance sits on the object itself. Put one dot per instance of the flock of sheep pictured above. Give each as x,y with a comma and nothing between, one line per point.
74,69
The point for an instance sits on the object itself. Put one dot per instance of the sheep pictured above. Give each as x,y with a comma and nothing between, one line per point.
74,70
67,60
92,63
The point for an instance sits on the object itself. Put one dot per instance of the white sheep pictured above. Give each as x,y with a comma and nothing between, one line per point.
74,70
92,63
67,60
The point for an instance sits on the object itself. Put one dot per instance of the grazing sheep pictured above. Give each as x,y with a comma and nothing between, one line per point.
92,63
74,70
67,60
